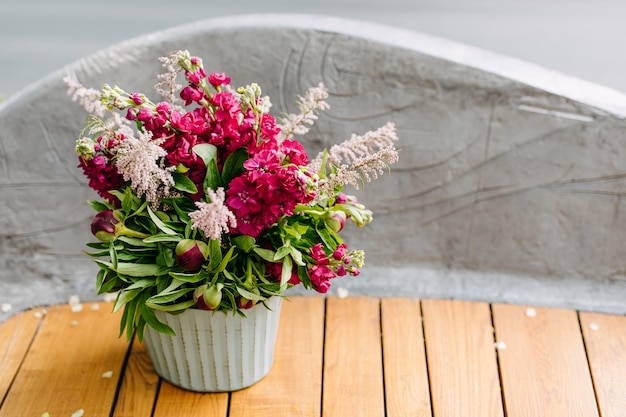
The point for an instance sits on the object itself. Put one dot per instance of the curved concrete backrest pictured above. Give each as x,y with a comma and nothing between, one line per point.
508,189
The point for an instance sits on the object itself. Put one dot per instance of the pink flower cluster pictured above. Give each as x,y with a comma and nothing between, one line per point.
102,174
323,269
272,183
271,186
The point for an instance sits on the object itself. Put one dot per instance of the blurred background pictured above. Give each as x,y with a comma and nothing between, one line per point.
582,38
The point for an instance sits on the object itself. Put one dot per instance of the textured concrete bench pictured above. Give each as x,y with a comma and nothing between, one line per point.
509,186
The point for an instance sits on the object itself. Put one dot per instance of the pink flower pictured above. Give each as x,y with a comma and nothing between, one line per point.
103,177
317,253
320,277
144,114
191,94
341,199
275,270
137,98
217,79
340,252
268,127
294,152
196,76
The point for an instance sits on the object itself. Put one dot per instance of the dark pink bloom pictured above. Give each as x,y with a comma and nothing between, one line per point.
268,127
103,177
317,253
341,199
294,152
216,79
191,94
144,114
137,98
320,277
103,225
340,252
275,270
131,115
191,254
196,76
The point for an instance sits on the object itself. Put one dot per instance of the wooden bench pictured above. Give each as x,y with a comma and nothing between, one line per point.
359,356
508,192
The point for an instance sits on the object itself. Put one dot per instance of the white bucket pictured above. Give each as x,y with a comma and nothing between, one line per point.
214,351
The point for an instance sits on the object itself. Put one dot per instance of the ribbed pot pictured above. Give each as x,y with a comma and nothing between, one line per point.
214,351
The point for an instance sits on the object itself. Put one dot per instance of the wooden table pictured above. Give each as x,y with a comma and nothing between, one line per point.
335,357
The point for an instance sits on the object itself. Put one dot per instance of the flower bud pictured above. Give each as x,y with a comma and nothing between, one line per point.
103,226
336,221
244,303
137,98
191,254
208,297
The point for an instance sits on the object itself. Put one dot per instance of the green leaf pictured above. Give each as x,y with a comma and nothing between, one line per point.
137,270
171,307
282,252
113,255
127,201
148,315
124,297
183,183
141,284
233,166
100,279
297,256
266,254
286,271
166,256
124,324
191,278
225,260
215,254
134,241
208,153
98,205
249,295
169,297
159,223
162,238
244,242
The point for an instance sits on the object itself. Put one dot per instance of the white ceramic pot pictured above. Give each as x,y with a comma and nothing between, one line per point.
214,351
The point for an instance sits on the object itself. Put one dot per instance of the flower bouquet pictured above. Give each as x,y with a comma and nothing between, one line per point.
210,203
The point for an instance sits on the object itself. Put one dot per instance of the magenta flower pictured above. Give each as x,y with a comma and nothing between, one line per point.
218,79
320,277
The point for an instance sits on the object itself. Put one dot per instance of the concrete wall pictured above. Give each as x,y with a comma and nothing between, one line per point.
508,189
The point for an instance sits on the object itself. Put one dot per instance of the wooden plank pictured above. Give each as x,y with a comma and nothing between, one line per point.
406,376
294,385
175,401
462,361
353,375
544,367
140,385
16,335
605,339
62,372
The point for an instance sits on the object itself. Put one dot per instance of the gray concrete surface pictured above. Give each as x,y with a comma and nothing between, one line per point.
509,186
